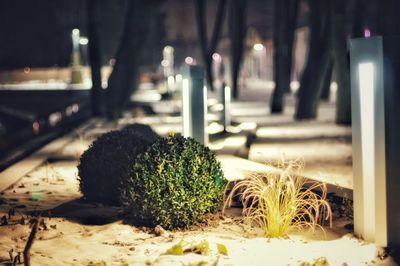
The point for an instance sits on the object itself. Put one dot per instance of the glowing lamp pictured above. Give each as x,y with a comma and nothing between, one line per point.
189,60
83,41
258,47
75,40
375,90
217,57
36,127
226,99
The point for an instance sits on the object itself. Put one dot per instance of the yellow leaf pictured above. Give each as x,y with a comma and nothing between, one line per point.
222,249
321,261
202,248
175,249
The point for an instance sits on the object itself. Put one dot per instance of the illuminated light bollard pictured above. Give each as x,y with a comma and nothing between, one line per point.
178,84
76,73
171,85
226,101
375,92
194,104
168,67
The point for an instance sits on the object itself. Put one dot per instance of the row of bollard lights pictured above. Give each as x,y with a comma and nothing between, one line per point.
193,93
190,85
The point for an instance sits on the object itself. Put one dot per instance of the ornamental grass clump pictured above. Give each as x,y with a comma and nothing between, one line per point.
174,183
282,200
108,161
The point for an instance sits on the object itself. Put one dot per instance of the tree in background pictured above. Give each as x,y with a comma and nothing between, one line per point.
333,55
207,50
156,40
386,13
326,85
360,8
285,17
123,79
318,60
341,64
94,56
237,34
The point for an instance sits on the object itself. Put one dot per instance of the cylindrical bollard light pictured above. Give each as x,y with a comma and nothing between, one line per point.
194,104
375,92
226,101
170,85
76,73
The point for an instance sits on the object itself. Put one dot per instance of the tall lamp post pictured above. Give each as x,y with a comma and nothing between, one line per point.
375,93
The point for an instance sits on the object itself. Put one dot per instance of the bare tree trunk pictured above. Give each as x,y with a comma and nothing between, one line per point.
237,34
208,50
95,58
326,85
285,18
358,18
218,24
318,58
201,10
123,79
29,243
341,59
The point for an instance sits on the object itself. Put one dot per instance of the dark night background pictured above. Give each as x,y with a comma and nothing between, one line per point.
38,33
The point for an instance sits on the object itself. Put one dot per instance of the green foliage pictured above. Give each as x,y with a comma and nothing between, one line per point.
280,201
142,130
108,162
173,184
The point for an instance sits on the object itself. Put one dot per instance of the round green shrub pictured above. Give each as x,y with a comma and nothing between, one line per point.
108,161
142,130
174,183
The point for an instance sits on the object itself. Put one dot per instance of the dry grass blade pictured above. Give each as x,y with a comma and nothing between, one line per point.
281,201
29,243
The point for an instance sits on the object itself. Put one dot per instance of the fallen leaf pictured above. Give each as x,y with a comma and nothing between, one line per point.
321,261
202,248
222,249
176,249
